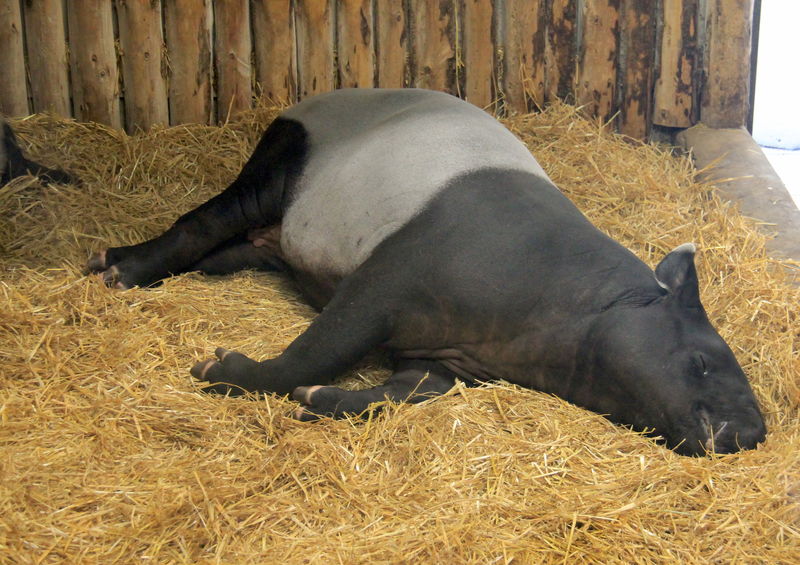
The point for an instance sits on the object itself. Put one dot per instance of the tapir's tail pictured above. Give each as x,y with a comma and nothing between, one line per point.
17,165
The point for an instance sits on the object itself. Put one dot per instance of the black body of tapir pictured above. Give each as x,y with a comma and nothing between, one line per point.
416,222
14,164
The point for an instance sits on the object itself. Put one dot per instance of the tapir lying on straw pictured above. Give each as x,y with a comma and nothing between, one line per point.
418,223
14,164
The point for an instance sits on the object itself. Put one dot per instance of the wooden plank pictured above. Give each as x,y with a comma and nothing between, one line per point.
188,27
433,60
524,47
95,78
391,43
479,52
13,89
560,51
275,53
726,93
355,49
597,64
674,92
315,60
233,47
142,43
48,64
639,39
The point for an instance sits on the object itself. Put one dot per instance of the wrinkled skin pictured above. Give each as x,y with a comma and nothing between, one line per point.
496,275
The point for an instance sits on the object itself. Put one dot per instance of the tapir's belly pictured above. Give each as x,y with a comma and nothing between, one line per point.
364,184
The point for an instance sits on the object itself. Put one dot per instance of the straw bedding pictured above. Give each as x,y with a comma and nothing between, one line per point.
110,454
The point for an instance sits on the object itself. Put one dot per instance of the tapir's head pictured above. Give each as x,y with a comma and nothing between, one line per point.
666,369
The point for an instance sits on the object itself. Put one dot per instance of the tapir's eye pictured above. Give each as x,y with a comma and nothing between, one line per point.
700,366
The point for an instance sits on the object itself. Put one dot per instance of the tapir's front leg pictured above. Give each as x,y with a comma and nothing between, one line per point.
356,320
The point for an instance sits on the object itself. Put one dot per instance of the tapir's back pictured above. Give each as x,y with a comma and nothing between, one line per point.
374,159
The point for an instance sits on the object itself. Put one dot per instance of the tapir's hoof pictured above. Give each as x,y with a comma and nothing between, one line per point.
304,395
227,374
97,262
112,278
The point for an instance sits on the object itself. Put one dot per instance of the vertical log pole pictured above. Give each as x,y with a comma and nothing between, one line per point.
48,66
188,27
674,92
726,93
434,51
314,20
95,79
526,33
639,40
391,43
13,88
597,65
479,62
275,51
233,47
142,43
560,51
355,47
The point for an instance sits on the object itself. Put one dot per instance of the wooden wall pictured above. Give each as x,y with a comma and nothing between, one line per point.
135,63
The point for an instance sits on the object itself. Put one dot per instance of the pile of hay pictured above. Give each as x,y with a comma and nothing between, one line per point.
110,454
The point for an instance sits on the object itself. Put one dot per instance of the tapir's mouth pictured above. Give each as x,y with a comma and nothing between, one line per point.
723,436
712,432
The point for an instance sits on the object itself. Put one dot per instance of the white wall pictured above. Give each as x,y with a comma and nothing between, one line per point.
776,120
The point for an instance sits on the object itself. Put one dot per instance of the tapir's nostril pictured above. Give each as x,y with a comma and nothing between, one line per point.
714,435
704,418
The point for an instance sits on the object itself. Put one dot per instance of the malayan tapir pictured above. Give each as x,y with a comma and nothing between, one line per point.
418,223
14,164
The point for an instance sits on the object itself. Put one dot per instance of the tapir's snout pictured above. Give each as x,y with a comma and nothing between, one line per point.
724,433
743,432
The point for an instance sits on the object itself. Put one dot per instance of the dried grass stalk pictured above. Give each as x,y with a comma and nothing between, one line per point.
109,453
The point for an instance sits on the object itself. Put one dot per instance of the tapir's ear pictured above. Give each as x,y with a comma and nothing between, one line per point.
677,274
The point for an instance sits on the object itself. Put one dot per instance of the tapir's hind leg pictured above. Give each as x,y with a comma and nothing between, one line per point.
254,199
413,381
259,250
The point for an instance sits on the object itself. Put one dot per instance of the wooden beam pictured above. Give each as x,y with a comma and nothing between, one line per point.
48,64
142,42
597,65
479,52
233,48
314,21
95,79
674,91
275,52
355,48
639,39
13,88
433,45
726,93
560,51
391,43
524,48
188,26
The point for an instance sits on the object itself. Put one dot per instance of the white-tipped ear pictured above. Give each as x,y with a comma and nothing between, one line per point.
677,274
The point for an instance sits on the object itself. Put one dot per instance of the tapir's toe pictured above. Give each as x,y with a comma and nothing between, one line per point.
303,394
303,414
315,404
97,262
200,369
113,278
230,373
